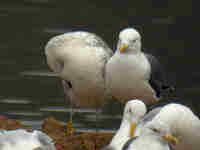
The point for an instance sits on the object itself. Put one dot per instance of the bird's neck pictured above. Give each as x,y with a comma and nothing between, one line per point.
122,134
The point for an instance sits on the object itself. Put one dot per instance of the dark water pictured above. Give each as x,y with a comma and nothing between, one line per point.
33,96
28,90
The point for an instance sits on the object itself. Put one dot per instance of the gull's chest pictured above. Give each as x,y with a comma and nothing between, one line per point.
133,65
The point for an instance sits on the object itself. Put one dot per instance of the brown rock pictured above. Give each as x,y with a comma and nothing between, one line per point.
57,131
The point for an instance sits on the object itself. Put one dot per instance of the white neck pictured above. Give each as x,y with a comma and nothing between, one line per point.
122,135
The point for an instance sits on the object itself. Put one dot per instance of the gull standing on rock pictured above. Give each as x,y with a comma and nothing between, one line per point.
79,59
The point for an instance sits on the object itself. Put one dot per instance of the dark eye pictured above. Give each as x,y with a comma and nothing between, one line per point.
134,40
129,110
155,130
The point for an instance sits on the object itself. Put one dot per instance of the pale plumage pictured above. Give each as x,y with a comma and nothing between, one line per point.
79,58
131,74
148,140
181,123
147,136
22,140
147,118
134,111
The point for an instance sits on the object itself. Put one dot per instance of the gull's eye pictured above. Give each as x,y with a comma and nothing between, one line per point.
134,40
155,130
130,110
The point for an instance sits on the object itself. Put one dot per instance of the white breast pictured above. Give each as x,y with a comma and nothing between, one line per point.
127,77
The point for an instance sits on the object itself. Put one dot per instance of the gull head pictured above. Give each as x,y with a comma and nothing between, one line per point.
129,41
163,130
134,111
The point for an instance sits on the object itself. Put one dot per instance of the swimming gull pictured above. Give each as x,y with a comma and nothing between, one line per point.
133,74
79,59
133,112
22,140
181,123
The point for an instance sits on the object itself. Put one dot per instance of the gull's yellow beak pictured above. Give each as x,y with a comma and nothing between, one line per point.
132,129
171,139
123,48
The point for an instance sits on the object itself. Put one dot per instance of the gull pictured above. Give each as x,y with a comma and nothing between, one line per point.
151,139
20,139
79,59
136,132
133,74
134,111
180,122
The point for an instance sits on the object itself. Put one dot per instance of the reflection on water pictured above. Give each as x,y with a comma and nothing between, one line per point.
24,111
13,101
32,110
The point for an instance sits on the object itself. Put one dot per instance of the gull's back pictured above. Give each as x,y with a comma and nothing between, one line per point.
80,58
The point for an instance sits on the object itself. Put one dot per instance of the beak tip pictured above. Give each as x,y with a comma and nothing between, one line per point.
171,139
132,129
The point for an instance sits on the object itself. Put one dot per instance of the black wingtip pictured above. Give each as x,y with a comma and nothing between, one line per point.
170,89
